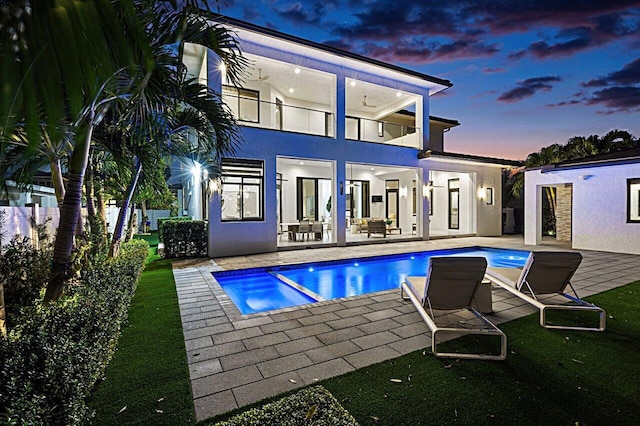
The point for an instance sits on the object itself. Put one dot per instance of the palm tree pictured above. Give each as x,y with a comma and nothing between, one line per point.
62,64
576,147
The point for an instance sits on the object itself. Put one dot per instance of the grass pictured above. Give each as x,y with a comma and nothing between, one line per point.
148,374
550,377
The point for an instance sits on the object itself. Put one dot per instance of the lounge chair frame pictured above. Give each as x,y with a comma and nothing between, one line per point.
487,329
490,330
580,305
544,308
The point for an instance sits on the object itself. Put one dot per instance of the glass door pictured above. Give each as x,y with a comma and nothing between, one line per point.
454,203
393,202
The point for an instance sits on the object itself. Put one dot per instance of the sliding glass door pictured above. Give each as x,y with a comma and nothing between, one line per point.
312,198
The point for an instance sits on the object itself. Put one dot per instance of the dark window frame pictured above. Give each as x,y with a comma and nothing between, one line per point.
254,170
632,181
490,196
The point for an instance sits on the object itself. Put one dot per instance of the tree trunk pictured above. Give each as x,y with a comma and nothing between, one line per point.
145,218
58,181
117,232
89,190
132,223
70,214
100,206
3,312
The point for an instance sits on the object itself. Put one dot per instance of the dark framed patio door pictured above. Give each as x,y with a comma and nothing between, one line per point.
454,203
392,208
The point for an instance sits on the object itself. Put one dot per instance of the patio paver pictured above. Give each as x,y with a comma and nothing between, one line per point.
235,360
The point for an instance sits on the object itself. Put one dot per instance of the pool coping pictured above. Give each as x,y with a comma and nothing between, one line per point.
237,359
275,270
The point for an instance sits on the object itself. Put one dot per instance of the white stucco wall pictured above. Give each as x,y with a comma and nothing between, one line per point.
479,218
599,206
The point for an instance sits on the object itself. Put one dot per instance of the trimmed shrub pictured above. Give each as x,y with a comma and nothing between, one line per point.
310,406
163,220
185,238
24,271
50,360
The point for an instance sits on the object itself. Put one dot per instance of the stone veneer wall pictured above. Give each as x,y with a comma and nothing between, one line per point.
564,196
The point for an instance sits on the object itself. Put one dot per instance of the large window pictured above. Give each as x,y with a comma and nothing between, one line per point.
633,200
242,189
244,103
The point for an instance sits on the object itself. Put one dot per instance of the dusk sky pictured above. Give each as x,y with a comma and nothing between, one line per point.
525,74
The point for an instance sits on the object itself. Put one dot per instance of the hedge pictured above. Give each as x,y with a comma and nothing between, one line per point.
53,357
185,238
163,220
310,406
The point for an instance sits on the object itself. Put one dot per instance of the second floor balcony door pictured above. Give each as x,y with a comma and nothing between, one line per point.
279,113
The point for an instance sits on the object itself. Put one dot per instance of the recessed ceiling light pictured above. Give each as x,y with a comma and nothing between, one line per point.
398,94
302,163
372,168
297,70
291,90
353,83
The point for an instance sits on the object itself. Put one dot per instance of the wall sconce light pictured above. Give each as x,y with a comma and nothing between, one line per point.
426,189
403,191
482,193
585,177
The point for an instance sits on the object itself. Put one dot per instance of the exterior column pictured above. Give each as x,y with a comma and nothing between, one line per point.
340,202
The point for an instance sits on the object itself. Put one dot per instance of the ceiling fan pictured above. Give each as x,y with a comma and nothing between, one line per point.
260,76
431,185
365,104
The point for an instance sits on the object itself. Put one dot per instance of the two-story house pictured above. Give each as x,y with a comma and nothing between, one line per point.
333,139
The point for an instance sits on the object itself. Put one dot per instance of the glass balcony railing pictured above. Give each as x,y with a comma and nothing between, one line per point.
250,111
363,129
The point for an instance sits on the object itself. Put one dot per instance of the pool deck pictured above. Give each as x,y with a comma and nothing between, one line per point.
235,360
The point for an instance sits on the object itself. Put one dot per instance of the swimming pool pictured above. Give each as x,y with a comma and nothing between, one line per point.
264,289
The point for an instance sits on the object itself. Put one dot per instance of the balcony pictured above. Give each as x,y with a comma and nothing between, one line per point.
250,111
363,129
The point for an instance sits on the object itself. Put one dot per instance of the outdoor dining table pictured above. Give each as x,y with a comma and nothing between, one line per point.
292,229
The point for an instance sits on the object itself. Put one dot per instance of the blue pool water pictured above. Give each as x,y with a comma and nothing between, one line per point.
259,290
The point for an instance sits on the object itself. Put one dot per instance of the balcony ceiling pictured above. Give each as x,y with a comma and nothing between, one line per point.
318,88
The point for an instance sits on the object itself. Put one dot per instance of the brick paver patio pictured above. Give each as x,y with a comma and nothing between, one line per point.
235,360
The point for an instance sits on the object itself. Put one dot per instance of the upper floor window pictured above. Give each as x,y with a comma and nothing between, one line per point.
244,103
633,200
242,190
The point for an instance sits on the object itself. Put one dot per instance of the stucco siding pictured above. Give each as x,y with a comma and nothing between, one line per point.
599,206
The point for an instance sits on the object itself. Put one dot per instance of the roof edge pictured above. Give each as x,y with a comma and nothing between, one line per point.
428,153
223,19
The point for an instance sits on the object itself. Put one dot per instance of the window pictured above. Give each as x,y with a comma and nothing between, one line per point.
633,200
430,200
242,190
243,102
489,196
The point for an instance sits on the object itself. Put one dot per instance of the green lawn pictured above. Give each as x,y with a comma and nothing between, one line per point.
148,374
549,377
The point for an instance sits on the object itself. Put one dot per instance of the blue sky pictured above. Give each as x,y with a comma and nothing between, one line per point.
526,73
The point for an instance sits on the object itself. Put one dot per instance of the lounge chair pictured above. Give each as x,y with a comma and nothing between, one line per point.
547,273
376,227
452,283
